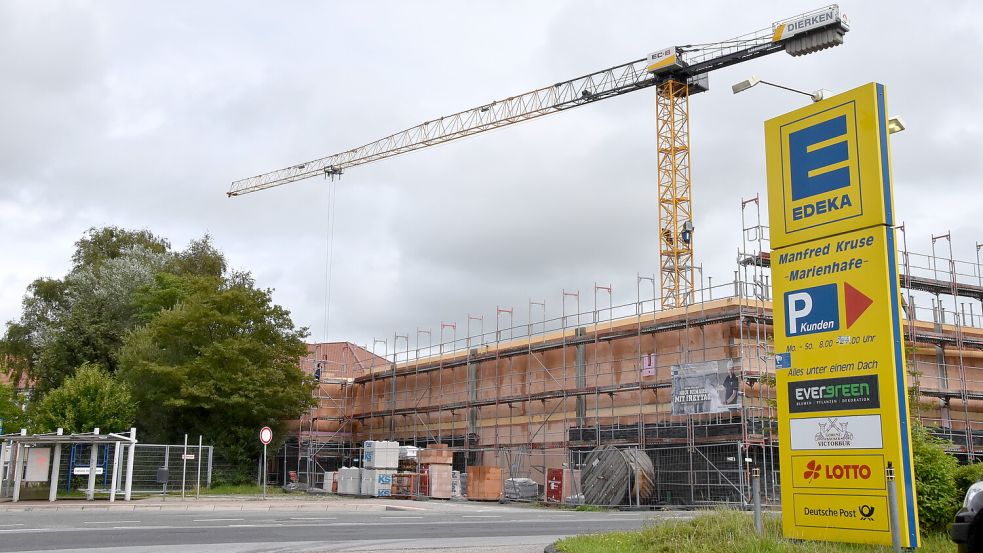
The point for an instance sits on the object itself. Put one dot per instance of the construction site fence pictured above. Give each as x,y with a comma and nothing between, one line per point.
685,476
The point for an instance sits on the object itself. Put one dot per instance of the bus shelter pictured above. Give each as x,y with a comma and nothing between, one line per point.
37,458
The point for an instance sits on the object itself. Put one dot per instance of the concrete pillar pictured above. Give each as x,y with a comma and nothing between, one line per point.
472,393
114,478
90,489
392,400
55,469
19,451
129,464
581,367
3,475
943,369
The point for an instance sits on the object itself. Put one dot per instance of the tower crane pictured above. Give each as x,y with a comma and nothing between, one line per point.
676,72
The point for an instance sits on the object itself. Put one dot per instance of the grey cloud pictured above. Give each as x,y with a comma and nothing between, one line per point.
141,114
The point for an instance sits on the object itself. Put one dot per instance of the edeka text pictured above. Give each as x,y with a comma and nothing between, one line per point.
822,206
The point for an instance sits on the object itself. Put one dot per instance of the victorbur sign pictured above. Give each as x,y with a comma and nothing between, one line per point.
841,381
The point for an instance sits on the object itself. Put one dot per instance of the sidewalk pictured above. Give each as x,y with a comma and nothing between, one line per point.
218,503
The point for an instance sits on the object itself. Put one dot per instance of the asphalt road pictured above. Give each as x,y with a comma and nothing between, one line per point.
464,528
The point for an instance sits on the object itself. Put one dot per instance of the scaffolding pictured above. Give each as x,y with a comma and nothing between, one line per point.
541,394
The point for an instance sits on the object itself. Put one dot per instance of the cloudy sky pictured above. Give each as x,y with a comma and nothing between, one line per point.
140,114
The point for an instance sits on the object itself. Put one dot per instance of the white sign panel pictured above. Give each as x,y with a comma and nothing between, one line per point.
850,432
38,463
84,471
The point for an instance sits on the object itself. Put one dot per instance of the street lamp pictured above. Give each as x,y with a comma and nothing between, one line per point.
894,124
754,80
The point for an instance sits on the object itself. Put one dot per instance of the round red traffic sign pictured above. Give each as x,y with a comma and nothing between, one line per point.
266,435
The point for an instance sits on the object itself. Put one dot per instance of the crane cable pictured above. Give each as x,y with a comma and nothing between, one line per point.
329,256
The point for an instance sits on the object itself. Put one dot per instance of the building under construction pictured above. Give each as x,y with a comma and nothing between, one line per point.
691,387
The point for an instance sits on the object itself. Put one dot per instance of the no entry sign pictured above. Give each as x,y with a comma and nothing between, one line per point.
266,435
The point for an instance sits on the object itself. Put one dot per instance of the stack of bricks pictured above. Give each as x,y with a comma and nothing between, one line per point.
436,454
436,460
484,483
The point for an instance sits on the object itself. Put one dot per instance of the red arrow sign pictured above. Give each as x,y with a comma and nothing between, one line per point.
856,303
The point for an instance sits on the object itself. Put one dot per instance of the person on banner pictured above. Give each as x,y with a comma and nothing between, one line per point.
732,385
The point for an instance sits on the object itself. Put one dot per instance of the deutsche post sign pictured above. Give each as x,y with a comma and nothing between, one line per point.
841,380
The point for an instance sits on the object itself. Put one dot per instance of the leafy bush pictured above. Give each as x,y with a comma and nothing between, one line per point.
966,476
935,481
90,399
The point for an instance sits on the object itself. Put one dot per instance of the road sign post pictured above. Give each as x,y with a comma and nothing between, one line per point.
265,436
184,465
840,370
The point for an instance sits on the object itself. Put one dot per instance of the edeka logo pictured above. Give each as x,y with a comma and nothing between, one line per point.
812,310
821,172
819,160
833,394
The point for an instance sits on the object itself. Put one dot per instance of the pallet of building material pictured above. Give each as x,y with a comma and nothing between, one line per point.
524,489
380,455
484,483
435,456
349,481
440,481
328,480
613,476
377,482
405,485
456,491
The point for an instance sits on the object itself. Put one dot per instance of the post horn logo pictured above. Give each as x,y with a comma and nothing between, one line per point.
812,470
866,512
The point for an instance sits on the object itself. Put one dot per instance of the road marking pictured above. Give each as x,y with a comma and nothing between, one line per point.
399,517
217,519
247,525
5,525
481,516
112,522
313,518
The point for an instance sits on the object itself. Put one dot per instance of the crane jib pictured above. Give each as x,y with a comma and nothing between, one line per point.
803,34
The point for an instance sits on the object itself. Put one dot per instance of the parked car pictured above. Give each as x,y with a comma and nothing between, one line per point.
967,530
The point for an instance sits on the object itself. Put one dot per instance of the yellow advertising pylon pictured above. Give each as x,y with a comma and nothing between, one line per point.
841,377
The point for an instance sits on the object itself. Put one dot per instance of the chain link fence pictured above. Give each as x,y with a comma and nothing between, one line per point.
664,476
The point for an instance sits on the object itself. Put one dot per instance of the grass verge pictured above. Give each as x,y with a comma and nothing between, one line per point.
722,532
241,489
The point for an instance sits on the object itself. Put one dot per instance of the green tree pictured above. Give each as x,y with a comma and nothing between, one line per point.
83,317
99,245
200,258
216,357
91,398
11,411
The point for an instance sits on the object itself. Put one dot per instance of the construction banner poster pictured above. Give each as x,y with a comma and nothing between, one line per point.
707,387
840,369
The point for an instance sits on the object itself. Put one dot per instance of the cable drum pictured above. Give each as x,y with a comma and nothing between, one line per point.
612,476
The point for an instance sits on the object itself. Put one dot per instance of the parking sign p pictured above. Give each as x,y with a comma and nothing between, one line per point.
810,310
